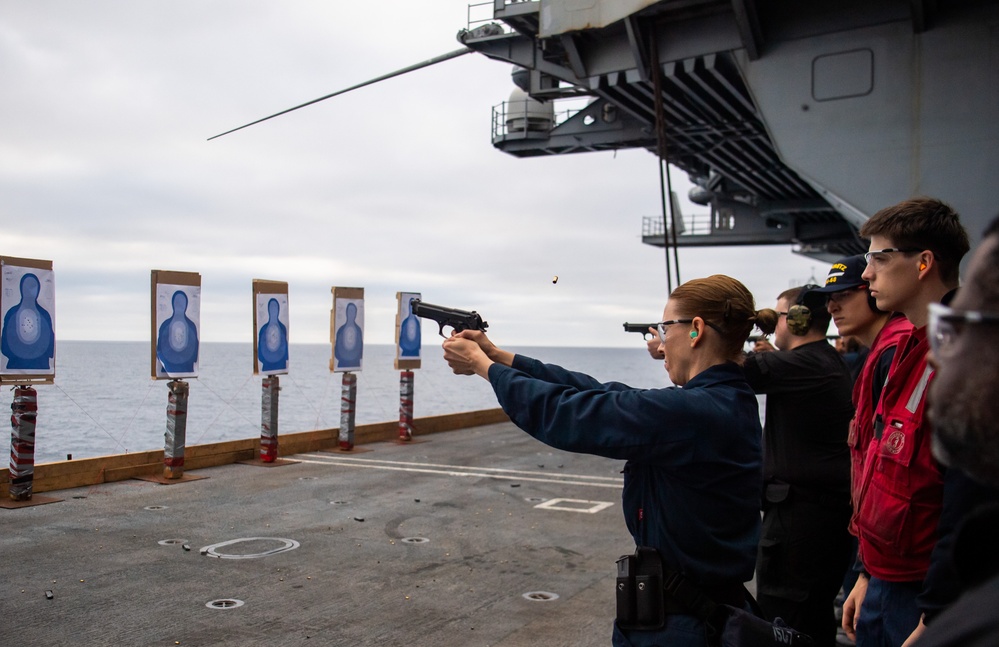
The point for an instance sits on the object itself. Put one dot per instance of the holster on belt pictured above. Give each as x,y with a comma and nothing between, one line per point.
641,602
647,592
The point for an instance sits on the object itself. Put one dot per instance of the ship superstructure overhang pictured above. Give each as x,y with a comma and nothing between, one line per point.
795,120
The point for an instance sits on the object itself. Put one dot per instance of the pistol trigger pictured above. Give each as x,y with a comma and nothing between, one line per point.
440,330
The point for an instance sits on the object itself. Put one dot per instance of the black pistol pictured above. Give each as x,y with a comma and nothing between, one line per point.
639,327
457,319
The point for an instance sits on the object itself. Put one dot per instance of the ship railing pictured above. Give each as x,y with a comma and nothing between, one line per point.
698,224
482,14
523,118
497,17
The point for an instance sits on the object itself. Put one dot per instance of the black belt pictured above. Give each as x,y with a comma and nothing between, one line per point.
731,594
776,492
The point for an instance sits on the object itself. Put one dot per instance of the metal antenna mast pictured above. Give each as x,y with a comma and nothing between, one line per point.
427,63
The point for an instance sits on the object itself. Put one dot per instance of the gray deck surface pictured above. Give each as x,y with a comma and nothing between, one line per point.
353,580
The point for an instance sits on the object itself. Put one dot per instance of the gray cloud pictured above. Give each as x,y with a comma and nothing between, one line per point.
105,170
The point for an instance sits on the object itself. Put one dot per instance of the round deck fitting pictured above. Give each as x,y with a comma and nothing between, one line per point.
171,542
227,603
540,596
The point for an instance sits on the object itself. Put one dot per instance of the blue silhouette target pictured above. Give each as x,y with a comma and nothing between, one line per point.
178,315
272,333
349,346
409,327
27,338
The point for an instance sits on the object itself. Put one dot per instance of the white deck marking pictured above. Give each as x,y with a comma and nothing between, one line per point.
589,507
213,550
461,470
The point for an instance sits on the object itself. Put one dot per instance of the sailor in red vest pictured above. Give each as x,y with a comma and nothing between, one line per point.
915,250
856,314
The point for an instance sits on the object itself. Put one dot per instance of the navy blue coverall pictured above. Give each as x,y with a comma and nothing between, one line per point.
693,477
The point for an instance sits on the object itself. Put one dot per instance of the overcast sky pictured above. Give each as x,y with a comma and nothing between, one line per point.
105,170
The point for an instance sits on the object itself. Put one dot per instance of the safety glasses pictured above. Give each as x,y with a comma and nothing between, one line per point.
946,324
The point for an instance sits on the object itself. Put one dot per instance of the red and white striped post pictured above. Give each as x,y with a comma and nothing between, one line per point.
176,430
348,398
269,419
24,412
406,405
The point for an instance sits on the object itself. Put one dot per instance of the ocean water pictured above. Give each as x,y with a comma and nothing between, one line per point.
104,402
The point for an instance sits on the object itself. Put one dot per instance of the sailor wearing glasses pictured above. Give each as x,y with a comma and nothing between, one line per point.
856,314
692,479
908,503
964,409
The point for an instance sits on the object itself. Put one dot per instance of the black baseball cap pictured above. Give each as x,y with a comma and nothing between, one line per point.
845,274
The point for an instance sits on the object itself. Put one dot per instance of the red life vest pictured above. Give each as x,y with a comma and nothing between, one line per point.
862,425
902,490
